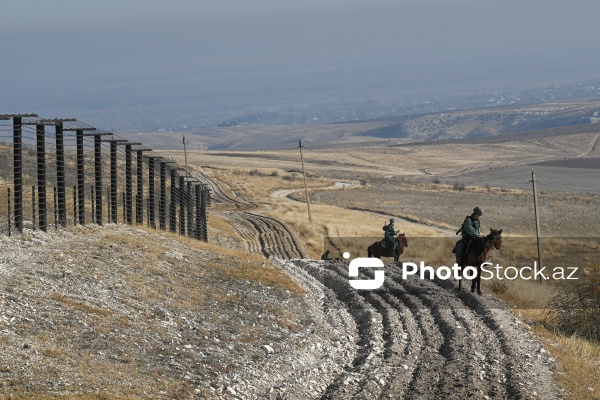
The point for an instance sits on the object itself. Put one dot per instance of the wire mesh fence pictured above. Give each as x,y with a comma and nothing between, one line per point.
58,173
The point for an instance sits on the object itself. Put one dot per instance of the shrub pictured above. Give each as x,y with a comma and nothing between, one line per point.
499,286
458,186
576,310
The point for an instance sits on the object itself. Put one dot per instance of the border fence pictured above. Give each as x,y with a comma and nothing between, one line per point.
61,172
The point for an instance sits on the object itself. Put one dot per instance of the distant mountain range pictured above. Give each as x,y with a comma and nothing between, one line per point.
450,125
490,121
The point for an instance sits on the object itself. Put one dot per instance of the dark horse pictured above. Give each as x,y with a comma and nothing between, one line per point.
376,251
477,254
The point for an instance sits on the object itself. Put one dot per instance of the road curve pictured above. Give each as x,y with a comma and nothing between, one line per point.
590,147
285,195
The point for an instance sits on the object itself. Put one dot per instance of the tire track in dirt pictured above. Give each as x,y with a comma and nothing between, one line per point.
469,348
265,235
369,324
418,339
219,196
522,352
260,233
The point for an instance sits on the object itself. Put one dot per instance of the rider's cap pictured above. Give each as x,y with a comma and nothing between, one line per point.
392,220
478,210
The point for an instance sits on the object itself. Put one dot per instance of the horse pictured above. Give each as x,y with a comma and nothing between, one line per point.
376,251
477,254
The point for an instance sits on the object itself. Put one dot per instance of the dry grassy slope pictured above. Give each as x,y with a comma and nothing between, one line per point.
446,160
121,312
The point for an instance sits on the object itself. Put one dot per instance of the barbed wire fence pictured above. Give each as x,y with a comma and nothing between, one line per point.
56,173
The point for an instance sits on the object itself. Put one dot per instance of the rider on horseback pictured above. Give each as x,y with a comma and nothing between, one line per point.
469,231
388,235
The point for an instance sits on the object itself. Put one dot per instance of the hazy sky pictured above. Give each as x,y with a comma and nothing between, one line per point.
110,37
110,40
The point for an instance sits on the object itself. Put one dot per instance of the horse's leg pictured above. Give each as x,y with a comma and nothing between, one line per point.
477,281
459,272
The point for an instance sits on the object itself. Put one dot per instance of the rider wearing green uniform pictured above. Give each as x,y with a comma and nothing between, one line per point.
469,230
388,235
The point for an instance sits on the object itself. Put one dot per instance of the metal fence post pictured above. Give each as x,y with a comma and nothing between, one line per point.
55,210
205,203
33,206
190,209
198,198
18,172
182,205
173,206
80,176
151,200
113,182
60,175
9,212
162,205
93,205
75,205
128,184
98,176
41,176
139,205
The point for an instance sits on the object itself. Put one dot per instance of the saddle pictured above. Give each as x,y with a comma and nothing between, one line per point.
383,244
463,251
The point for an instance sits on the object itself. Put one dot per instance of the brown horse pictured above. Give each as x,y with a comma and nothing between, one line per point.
477,254
376,251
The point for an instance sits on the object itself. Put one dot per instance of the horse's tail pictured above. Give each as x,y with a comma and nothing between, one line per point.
369,252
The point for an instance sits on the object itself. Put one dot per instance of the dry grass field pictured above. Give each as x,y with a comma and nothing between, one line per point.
433,183
122,312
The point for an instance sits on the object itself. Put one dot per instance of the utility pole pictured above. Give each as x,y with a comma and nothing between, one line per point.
537,223
305,187
185,156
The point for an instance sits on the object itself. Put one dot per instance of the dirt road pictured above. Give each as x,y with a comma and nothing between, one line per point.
410,339
590,147
265,235
418,340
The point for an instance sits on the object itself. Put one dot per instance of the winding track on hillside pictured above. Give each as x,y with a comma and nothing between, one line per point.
590,147
265,235
417,339
260,234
